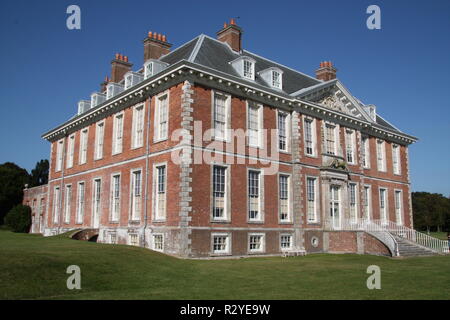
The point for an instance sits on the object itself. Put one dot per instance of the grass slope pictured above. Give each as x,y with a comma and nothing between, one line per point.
33,267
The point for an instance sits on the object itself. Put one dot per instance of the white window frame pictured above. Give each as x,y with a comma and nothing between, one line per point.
135,201
94,199
350,145
137,137
115,202
56,203
383,209
70,150
161,123
262,248
313,142
154,243
117,141
398,205
353,206
133,239
291,242
227,243
84,142
81,202
365,149
260,199
148,73
273,82
225,135
287,131
226,198
250,73
289,198
396,164
99,139
59,155
367,202
112,237
157,194
67,202
331,143
258,131
315,216
381,155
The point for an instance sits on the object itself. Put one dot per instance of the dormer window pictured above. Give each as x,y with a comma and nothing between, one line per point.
97,98
132,78
152,67
249,69
113,89
273,77
245,67
276,79
148,71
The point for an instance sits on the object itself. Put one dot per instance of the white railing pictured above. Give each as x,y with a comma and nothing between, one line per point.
380,226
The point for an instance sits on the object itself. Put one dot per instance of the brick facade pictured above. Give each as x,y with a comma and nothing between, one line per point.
188,226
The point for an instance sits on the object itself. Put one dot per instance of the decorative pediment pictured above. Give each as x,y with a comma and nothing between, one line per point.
333,95
332,102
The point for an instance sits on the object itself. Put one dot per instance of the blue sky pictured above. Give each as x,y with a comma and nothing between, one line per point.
403,69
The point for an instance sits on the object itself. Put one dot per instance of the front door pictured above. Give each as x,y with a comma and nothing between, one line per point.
335,215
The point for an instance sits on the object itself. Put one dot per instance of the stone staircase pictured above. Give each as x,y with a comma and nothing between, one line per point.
407,248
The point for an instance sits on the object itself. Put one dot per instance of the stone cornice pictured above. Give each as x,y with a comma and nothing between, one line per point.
185,70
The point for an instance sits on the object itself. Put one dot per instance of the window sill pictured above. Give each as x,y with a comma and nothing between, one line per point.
220,221
159,220
255,221
159,140
116,153
136,147
311,156
285,222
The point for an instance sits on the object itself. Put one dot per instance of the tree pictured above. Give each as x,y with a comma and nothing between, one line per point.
431,211
19,218
12,182
39,175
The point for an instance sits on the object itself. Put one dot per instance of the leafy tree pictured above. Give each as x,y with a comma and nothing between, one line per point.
39,175
12,182
431,211
19,218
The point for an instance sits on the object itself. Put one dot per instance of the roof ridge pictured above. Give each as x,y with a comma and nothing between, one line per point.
179,47
197,47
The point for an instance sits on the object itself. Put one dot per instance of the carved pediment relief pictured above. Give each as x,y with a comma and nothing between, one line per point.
333,102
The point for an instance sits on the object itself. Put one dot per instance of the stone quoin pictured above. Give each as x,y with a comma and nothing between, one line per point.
112,170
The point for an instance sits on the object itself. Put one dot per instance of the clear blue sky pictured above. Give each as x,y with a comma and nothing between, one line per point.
403,69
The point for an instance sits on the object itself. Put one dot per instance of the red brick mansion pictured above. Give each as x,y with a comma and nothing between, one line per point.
211,150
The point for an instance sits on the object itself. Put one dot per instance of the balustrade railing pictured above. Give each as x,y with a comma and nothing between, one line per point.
380,226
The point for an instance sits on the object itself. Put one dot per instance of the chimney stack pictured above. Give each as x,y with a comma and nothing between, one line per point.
155,46
231,34
326,71
104,84
119,66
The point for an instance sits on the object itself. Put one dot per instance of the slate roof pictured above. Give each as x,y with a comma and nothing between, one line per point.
216,55
211,53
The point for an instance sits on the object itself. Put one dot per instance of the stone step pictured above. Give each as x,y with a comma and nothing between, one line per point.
410,249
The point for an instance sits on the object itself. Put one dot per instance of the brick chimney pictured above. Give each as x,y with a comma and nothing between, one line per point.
119,66
231,34
326,71
104,84
155,46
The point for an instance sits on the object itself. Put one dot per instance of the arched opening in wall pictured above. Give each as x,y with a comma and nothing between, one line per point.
93,239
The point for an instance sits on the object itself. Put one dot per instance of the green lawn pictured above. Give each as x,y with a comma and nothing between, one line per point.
438,235
33,267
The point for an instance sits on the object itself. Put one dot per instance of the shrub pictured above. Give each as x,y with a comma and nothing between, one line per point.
19,218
